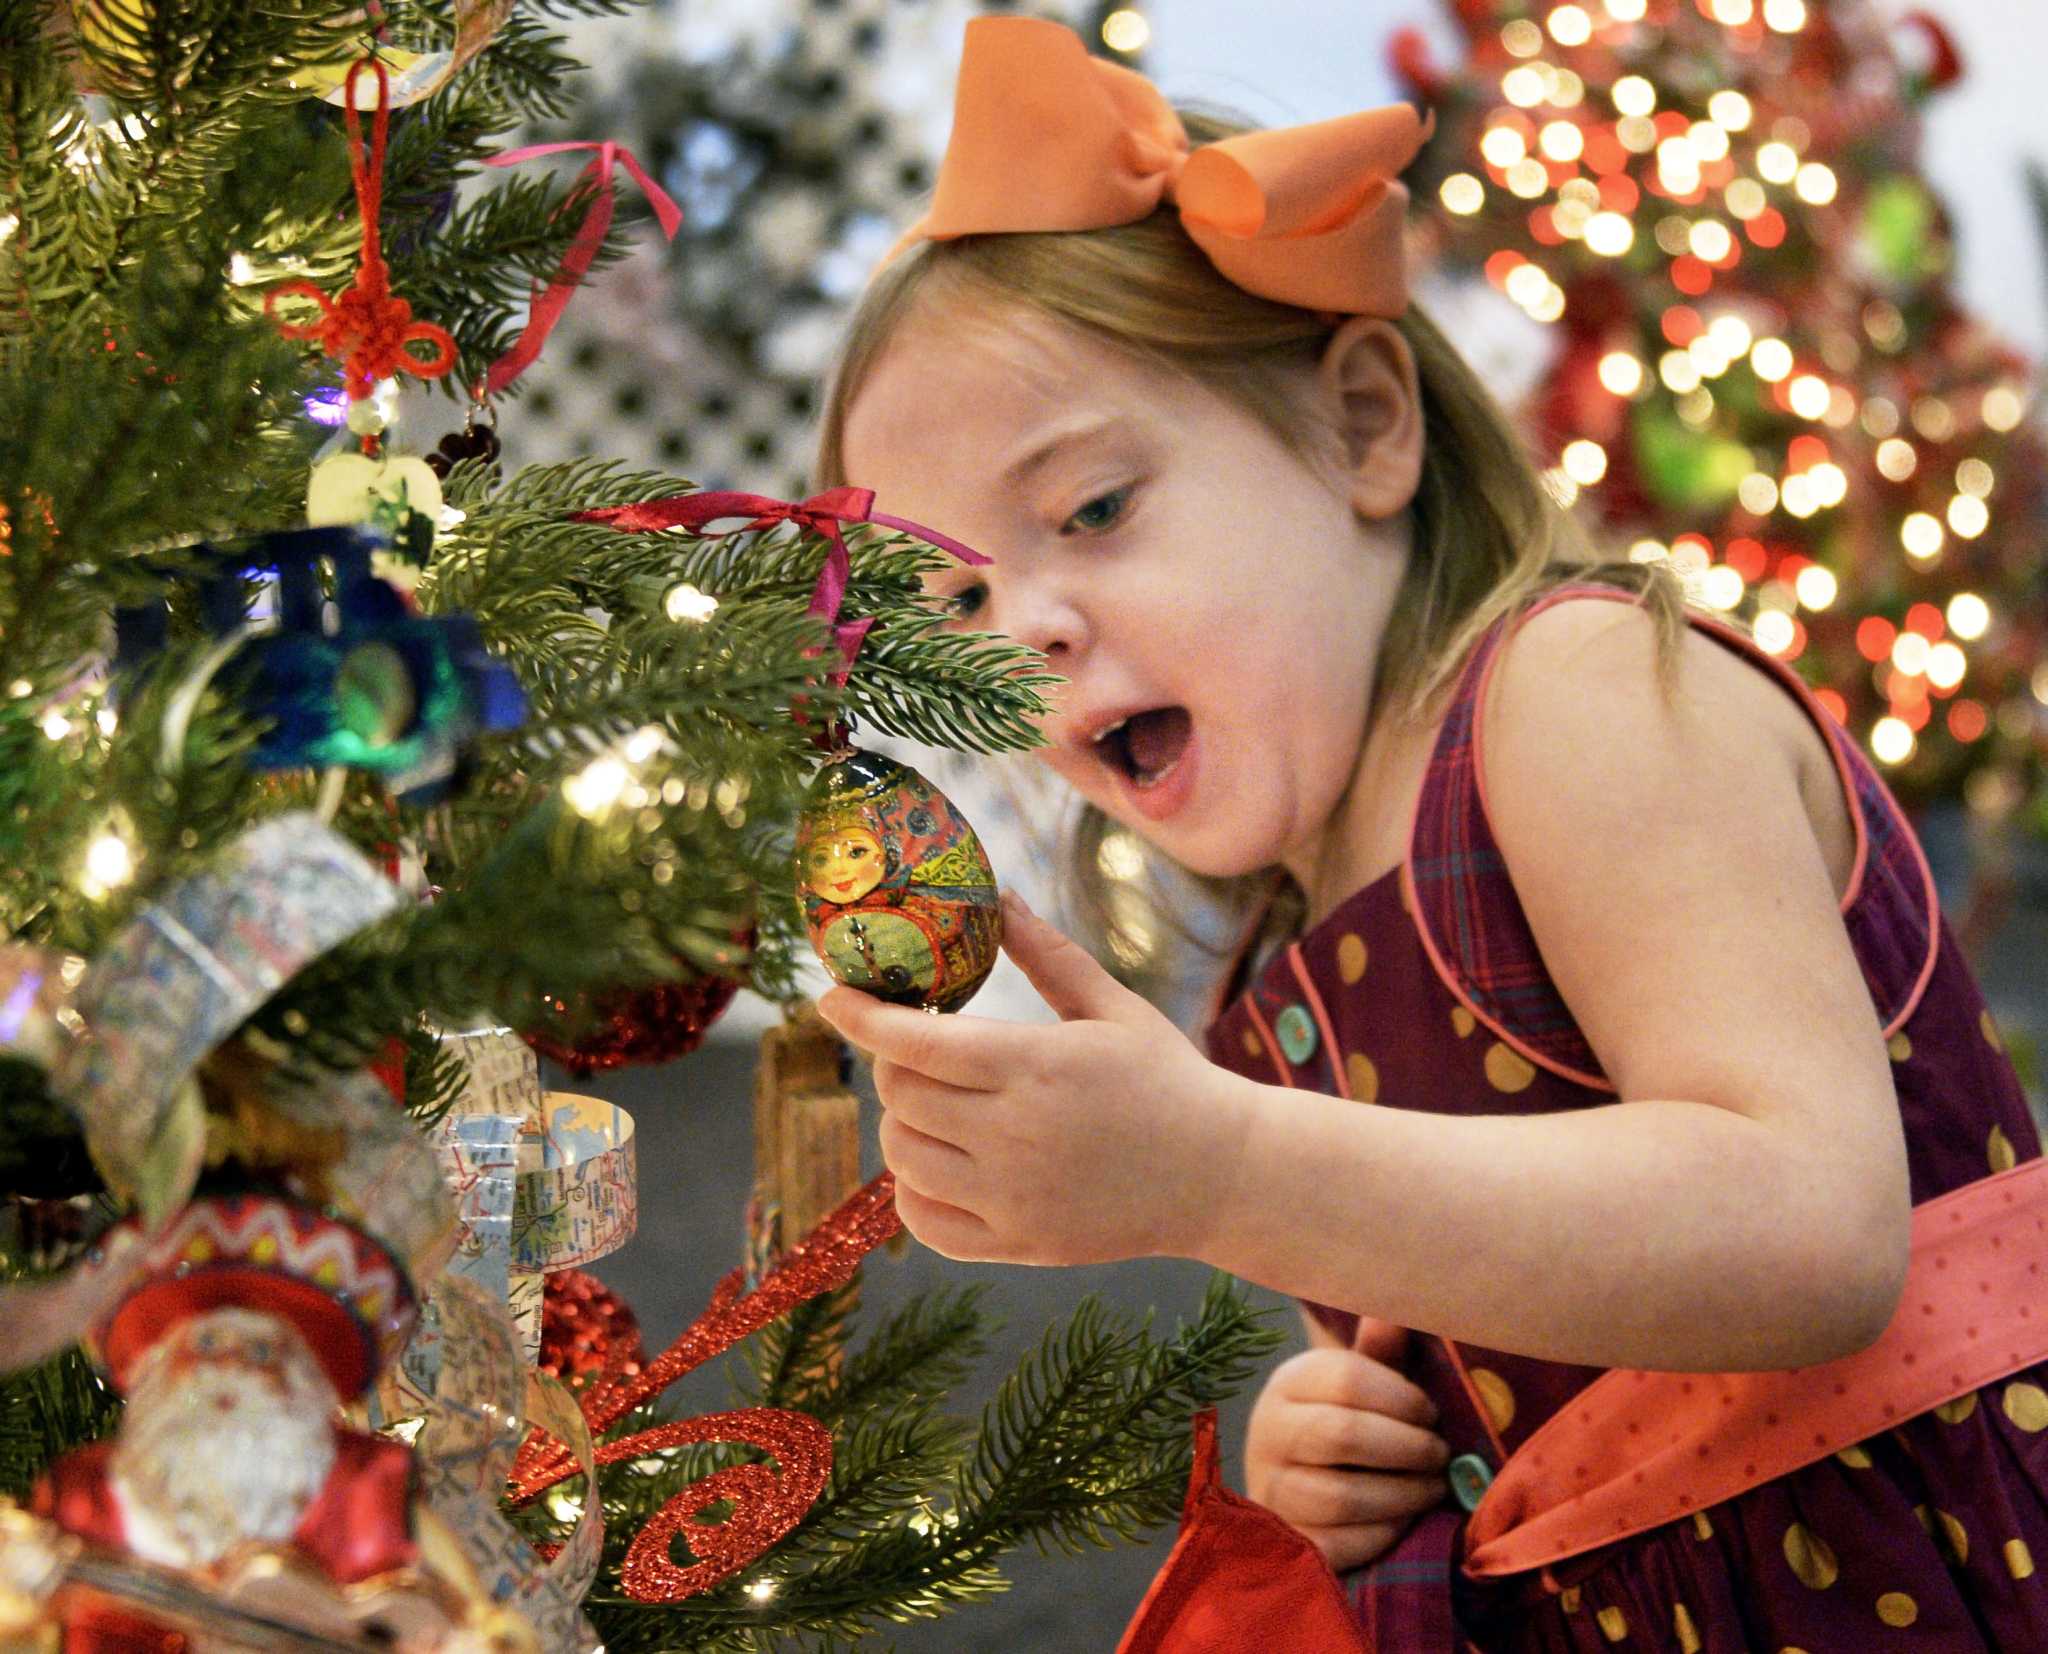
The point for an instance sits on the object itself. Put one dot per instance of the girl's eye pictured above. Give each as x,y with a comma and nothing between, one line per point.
966,601
1100,512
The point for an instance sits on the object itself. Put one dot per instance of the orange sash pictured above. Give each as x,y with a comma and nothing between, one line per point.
1635,1450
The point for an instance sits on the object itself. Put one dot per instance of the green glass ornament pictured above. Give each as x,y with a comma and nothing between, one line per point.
898,895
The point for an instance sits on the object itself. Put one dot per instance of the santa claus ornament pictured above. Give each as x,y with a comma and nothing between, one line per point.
899,898
232,1490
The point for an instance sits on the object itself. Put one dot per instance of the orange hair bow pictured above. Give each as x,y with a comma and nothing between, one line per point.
1046,137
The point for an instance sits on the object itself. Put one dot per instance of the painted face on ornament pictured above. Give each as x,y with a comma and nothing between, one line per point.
845,864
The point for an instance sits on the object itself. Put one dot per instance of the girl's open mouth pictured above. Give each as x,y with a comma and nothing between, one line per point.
1146,746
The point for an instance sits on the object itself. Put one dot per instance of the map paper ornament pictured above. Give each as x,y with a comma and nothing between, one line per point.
898,895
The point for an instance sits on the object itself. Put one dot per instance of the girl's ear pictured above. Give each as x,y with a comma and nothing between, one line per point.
1367,377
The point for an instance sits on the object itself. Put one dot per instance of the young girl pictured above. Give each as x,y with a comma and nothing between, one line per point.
1615,1043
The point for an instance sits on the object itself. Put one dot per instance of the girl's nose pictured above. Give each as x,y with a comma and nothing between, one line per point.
1047,620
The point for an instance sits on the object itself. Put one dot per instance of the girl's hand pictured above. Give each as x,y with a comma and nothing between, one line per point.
1103,1136
1341,1447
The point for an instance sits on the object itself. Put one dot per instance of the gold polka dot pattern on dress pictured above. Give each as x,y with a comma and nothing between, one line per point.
1351,957
1810,1557
1494,1391
1855,1458
1998,1151
1363,1077
1507,1069
1613,1624
1568,1598
1990,1031
1954,1412
1252,1047
1896,1608
2027,1406
2019,1561
1701,1527
1954,1532
1688,1638
1462,1021
1900,1047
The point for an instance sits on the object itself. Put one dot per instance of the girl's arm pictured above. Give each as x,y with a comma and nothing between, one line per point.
1744,1206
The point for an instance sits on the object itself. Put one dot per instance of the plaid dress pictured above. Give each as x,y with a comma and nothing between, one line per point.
1425,990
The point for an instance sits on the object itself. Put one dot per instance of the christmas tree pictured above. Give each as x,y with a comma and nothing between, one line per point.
1760,369
280,804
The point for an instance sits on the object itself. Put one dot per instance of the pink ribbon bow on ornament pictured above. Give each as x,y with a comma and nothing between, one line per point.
824,514
547,307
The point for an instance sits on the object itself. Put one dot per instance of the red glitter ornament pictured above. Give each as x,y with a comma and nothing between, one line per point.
766,1503
587,1331
823,1259
638,1025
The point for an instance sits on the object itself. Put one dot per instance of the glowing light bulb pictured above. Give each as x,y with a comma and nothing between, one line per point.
1785,16
1968,516
1522,38
1815,586
1745,198
2003,407
1830,483
1891,739
1709,140
1633,95
1730,111
1809,396
1774,631
1758,494
1777,163
1570,26
1910,652
1968,615
685,602
1946,665
108,719
762,1589
1463,194
1585,462
1679,371
1974,478
596,787
1896,460
1770,360
1610,234
1730,334
1561,140
1528,178
1711,240
108,863
1814,184
1626,11
55,725
1126,30
1502,146
1524,86
1921,535
1620,373
1722,587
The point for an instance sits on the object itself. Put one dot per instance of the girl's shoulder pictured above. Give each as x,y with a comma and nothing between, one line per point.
1658,835
1588,686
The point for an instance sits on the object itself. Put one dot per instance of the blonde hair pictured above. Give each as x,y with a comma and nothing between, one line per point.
1488,539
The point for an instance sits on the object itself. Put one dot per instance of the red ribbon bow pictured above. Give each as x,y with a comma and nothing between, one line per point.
366,327
547,307
824,514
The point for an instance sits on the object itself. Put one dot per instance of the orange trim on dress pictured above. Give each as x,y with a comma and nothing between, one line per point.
1273,1052
1338,1078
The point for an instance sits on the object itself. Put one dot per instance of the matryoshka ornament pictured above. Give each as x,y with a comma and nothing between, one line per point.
898,894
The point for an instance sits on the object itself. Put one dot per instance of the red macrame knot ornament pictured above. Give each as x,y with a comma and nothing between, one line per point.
366,327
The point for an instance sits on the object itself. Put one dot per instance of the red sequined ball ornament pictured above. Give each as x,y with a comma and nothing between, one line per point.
587,1331
638,1025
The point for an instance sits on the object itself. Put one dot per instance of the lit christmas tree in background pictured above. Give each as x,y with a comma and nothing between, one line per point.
1761,370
